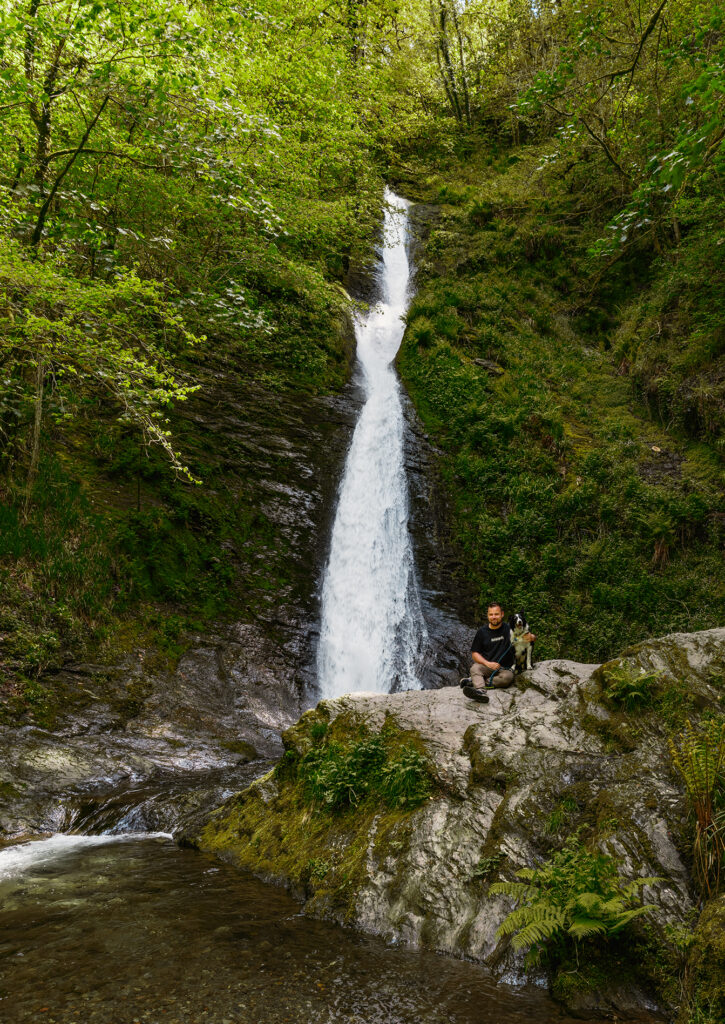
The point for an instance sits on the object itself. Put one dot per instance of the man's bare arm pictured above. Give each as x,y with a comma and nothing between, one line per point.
480,660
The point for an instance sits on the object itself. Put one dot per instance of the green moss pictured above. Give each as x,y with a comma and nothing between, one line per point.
490,772
132,703
288,842
575,981
561,815
283,829
245,750
615,731
706,968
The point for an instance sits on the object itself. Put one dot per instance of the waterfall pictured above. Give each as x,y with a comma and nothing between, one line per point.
373,634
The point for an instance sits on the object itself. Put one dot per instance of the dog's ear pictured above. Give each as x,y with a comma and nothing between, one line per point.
512,621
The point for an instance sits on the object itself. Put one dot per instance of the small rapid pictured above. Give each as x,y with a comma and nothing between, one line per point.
19,859
373,634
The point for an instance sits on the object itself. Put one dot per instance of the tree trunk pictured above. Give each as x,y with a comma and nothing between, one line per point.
37,424
43,213
445,63
356,30
41,116
464,74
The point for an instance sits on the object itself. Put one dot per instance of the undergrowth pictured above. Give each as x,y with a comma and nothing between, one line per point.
570,911
338,775
566,498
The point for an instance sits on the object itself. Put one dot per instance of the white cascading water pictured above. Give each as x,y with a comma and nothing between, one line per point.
15,860
372,634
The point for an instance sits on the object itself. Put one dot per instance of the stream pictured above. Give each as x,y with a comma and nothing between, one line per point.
112,930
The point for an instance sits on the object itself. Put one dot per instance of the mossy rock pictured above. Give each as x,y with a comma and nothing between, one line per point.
245,750
490,772
706,967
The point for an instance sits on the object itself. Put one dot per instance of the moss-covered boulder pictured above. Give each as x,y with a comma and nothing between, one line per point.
509,781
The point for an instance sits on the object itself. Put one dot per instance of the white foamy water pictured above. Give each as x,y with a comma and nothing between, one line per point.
372,633
14,860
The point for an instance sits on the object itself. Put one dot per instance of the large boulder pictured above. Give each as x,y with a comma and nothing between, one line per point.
513,778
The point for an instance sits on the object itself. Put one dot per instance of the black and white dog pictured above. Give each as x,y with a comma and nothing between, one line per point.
523,648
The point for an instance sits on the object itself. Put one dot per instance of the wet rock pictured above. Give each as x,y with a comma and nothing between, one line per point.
490,367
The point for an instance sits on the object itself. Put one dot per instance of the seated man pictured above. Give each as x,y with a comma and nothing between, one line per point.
493,656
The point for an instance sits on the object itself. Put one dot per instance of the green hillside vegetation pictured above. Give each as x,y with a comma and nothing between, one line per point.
182,187
185,186
570,497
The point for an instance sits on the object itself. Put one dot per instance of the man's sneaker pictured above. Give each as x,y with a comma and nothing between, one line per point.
466,681
474,694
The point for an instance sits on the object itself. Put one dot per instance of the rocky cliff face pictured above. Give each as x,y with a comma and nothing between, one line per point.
512,778
140,744
133,726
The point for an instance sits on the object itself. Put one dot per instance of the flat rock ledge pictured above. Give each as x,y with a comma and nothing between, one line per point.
514,778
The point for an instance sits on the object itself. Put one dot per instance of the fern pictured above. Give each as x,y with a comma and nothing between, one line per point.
699,756
576,895
629,691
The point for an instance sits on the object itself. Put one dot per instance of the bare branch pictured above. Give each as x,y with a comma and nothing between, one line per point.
40,223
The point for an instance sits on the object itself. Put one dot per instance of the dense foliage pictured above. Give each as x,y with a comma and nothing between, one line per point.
566,343
185,185
567,499
182,185
337,776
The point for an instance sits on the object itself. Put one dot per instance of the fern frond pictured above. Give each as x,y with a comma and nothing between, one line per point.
587,901
518,890
582,927
628,915
518,918
631,888
545,926
577,894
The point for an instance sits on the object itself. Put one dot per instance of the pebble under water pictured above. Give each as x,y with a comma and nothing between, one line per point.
116,932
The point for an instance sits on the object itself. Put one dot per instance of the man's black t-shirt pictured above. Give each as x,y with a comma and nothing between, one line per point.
495,645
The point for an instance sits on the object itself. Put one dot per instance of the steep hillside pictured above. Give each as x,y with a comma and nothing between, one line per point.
578,490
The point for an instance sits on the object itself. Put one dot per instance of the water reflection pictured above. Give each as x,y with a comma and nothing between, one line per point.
145,932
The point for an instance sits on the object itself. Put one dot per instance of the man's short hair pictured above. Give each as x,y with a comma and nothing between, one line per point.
494,604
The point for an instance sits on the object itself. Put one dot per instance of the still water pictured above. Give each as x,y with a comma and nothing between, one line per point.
97,930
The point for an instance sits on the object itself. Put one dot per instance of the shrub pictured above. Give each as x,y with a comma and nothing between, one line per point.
405,780
422,332
338,777
575,895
